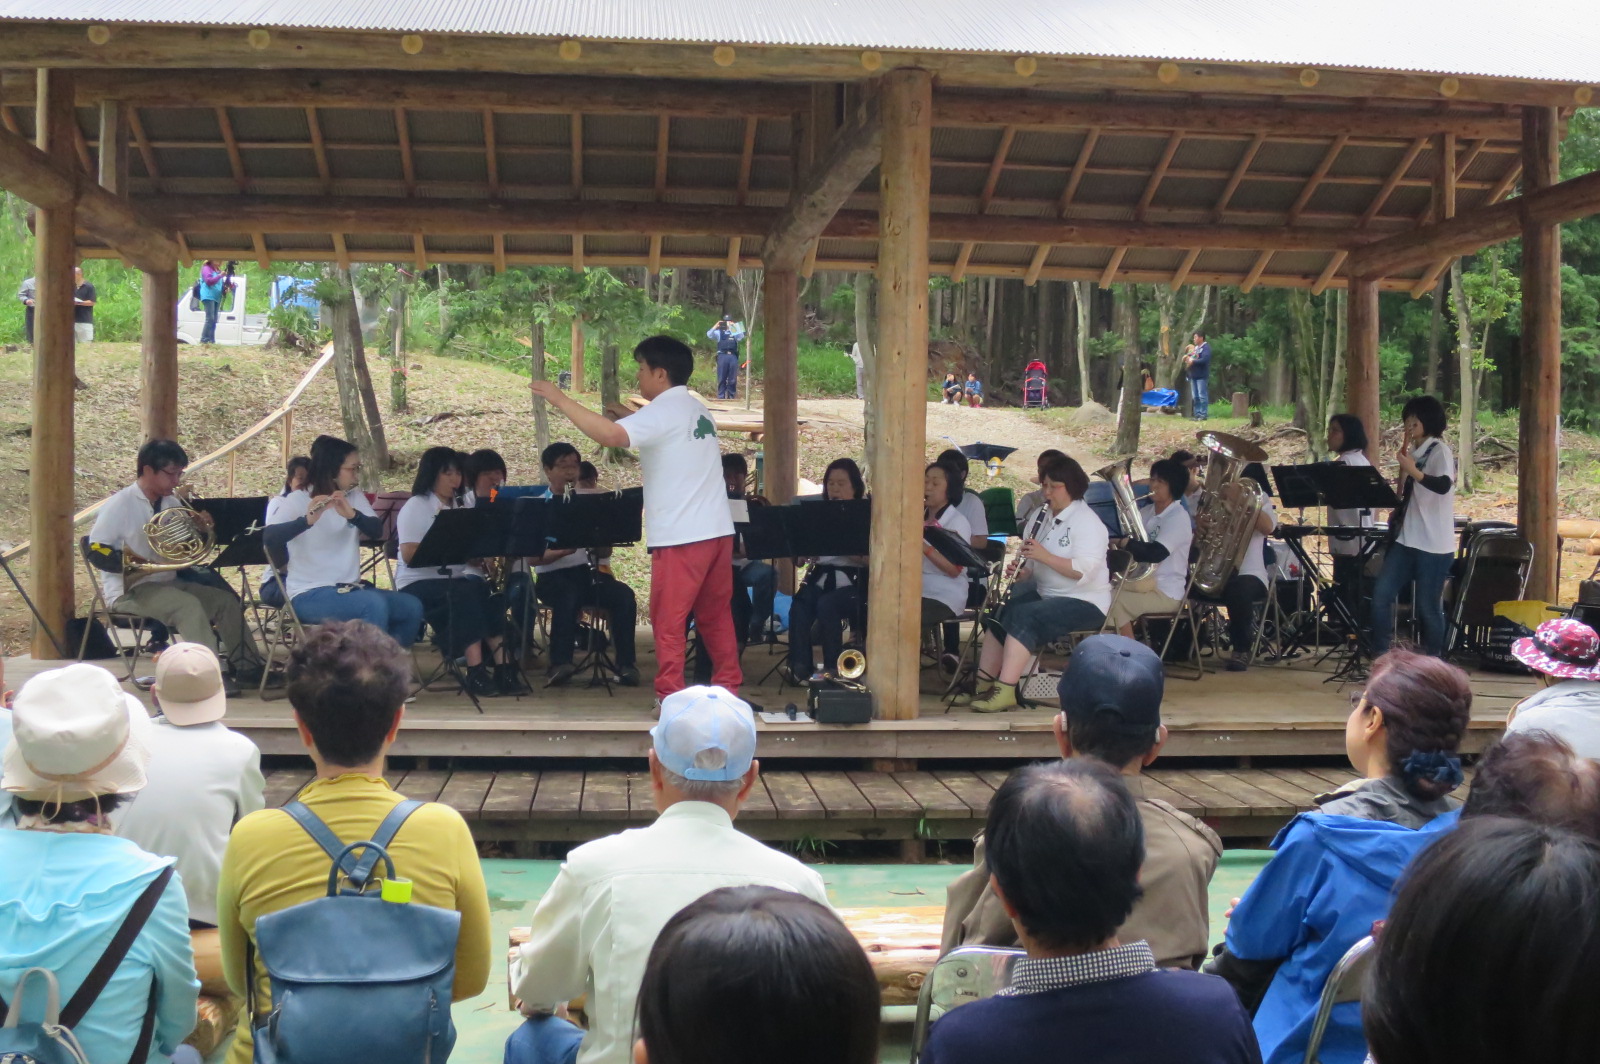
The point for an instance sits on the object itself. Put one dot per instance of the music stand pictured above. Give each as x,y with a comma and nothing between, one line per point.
1297,488
454,538
811,529
232,518
592,521
956,549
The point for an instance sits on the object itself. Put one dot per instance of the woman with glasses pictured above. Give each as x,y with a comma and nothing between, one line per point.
1422,530
1335,869
316,532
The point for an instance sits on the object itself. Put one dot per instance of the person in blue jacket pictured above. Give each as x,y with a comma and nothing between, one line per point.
1198,362
726,334
1335,870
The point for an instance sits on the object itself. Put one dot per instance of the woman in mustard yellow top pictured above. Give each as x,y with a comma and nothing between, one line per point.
347,683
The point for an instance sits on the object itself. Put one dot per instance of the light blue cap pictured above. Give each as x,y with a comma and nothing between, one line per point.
706,734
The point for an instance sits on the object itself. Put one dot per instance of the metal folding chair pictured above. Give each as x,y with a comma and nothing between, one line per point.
1496,570
281,629
1189,610
100,609
966,973
1344,985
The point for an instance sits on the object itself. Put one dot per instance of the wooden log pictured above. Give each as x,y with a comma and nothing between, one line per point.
780,408
814,201
1361,387
1539,205
894,598
1538,458
1577,528
158,355
154,46
114,144
51,478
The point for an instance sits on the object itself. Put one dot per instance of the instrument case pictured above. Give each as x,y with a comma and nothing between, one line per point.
830,704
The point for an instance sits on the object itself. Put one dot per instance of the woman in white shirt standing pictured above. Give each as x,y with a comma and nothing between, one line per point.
468,619
1347,442
318,529
1171,536
1425,545
1070,587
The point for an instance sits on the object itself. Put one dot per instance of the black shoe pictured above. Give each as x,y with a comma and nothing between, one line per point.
230,686
560,675
480,682
627,675
248,675
1237,663
508,681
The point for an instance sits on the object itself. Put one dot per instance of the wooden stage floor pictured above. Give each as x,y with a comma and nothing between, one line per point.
1270,711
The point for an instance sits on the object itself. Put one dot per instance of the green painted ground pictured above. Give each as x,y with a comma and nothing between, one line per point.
515,886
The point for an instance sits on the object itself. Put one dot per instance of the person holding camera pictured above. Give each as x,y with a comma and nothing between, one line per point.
213,283
727,333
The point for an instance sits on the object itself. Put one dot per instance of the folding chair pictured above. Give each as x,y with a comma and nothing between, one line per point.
1344,986
1188,610
109,618
966,973
1496,570
286,632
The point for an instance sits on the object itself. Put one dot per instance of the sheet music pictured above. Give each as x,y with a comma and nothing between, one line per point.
740,509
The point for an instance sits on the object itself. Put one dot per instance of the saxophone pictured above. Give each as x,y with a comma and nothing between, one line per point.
1230,503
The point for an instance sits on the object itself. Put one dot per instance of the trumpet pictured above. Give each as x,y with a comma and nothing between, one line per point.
848,670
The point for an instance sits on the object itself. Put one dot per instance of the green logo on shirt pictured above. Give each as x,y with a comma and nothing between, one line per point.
705,428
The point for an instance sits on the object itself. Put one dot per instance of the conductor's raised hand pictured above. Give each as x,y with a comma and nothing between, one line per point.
546,389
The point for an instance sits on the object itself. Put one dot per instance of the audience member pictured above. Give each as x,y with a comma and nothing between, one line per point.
1492,951
1034,499
593,929
203,778
1335,869
8,817
1111,712
1065,846
1566,655
78,750
757,974
347,683
1537,776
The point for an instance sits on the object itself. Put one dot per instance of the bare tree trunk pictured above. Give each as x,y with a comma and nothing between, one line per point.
988,326
352,411
1128,412
866,331
1303,343
1466,423
538,370
399,400
1341,345
1080,296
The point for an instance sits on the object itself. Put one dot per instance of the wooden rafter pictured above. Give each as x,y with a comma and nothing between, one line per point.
1430,276
732,265
499,253
1182,274
491,157
408,166
821,191
319,151
1376,206
1090,140
1157,175
1040,254
1308,190
81,145
576,148
419,252
1237,177
653,262
742,190
1256,271
263,259
663,149
341,253
997,163
146,153
1329,271
1110,273
231,145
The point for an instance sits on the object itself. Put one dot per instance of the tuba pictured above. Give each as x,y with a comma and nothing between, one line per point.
177,538
1230,502
1118,473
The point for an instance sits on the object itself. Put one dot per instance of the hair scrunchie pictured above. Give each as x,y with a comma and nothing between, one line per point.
1435,765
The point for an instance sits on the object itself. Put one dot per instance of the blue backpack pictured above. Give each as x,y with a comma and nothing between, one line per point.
51,1041
356,976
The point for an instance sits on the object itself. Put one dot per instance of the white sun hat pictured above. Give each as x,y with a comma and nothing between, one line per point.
75,734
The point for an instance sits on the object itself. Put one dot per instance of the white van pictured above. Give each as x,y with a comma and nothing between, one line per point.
235,328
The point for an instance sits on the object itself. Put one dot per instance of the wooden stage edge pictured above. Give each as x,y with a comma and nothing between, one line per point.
1269,712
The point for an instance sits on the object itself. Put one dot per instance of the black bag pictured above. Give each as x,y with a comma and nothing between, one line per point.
1589,590
195,291
98,646
1495,654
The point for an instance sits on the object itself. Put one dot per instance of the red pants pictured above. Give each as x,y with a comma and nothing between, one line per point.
694,578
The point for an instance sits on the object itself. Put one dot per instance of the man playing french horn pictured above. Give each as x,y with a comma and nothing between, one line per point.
1068,588
119,548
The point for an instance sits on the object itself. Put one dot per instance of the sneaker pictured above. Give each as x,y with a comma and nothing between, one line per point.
655,710
627,675
1004,698
560,675
480,682
1237,663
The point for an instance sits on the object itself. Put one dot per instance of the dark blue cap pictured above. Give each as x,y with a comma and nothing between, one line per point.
1115,676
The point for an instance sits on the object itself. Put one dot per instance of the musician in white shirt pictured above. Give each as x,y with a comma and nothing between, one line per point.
1247,587
944,582
1171,535
468,618
1347,442
1426,543
833,592
294,478
1035,498
1068,590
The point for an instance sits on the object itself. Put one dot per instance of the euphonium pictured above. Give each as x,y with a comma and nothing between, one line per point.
1118,473
1230,503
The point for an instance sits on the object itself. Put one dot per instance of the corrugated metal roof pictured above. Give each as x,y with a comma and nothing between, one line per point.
1551,39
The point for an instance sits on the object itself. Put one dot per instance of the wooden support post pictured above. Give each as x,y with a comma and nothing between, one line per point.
1538,459
114,147
780,412
51,478
577,353
288,436
894,592
1361,388
158,355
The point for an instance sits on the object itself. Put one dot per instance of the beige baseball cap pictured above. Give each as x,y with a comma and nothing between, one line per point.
188,685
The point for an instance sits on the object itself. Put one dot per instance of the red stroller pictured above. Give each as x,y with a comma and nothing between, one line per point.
1035,386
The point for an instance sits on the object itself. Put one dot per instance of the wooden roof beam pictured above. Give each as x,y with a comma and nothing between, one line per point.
231,145
259,243
146,152
341,253
663,147
35,176
319,151
1393,182
1329,157
1182,273
1260,267
1109,274
1064,205
1237,177
408,165
997,163
1325,278
1473,230
419,252
856,148
491,159
1430,276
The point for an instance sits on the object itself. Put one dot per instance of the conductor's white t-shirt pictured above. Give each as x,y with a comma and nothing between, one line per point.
685,497
1430,521
950,590
329,552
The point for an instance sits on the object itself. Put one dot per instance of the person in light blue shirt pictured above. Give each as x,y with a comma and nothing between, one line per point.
76,752
726,334
8,819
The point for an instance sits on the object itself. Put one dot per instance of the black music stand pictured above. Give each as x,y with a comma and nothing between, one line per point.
592,521
455,538
956,549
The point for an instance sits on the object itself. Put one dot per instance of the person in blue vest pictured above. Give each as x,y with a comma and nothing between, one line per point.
1198,361
727,333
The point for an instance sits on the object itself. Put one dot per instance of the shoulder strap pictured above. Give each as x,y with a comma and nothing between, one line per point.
314,827
74,1011
361,871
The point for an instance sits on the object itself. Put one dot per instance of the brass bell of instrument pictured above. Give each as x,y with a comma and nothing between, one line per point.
178,539
852,665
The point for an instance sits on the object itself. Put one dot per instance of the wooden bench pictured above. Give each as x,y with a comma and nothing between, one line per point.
575,806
